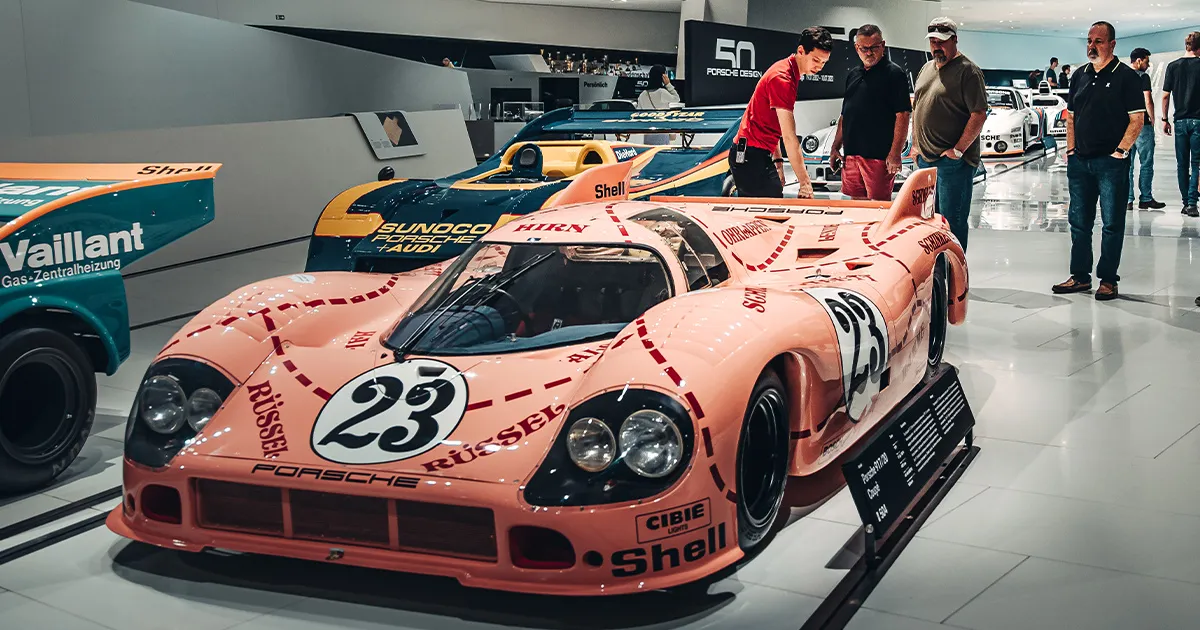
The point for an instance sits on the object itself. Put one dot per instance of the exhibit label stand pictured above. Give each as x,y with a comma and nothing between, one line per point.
897,479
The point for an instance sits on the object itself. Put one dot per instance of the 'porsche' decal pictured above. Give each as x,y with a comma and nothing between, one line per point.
862,337
391,413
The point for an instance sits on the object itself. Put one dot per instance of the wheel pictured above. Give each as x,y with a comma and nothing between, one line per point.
727,187
939,309
47,406
762,461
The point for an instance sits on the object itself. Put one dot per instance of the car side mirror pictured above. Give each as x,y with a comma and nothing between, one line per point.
387,173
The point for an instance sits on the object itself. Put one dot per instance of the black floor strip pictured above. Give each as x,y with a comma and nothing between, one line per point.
198,261
44,518
163,320
53,538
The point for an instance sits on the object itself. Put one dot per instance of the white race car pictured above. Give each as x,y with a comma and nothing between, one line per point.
816,147
1012,126
1053,108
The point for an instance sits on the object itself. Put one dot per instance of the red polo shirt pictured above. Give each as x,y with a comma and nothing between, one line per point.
777,88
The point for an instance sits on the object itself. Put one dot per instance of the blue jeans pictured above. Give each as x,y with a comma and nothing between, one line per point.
1105,180
1144,147
955,183
1187,152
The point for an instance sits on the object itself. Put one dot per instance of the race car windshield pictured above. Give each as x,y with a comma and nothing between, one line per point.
1001,100
499,298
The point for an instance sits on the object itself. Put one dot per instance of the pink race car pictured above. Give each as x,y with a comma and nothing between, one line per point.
599,398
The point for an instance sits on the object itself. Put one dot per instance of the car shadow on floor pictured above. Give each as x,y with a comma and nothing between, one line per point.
146,566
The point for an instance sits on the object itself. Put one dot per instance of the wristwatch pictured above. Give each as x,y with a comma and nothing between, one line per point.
955,152
1123,152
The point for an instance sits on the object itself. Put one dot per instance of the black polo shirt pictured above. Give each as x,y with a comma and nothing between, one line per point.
1101,103
873,98
1183,82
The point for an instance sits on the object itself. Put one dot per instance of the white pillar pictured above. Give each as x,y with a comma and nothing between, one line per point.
689,10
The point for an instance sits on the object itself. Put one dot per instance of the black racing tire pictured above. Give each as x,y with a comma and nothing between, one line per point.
728,189
47,407
939,317
762,462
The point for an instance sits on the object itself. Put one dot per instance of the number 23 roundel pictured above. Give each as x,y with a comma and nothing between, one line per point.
391,413
862,337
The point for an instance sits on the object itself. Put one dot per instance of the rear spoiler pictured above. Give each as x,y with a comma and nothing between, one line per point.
165,201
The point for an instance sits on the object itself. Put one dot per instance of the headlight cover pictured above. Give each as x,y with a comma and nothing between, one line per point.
178,397
659,440
651,444
811,144
591,444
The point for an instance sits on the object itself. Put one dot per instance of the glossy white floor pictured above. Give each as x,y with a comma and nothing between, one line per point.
1080,511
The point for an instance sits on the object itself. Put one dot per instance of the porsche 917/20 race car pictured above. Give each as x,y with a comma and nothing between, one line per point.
66,232
603,398
1012,126
399,225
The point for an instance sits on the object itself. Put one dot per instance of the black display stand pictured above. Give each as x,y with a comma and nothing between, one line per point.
897,479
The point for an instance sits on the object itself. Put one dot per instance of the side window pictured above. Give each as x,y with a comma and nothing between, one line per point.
701,261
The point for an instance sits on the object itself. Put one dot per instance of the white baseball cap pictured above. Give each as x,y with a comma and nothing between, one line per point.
942,28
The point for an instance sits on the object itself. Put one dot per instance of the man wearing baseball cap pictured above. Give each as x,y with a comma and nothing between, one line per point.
948,114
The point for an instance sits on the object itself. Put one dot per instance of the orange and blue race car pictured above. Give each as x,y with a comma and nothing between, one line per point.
400,225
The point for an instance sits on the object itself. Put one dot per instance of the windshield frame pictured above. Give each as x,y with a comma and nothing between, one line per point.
444,283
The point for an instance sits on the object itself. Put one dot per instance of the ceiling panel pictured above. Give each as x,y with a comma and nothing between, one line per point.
629,5
1072,18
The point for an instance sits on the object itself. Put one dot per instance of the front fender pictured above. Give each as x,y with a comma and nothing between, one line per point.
101,304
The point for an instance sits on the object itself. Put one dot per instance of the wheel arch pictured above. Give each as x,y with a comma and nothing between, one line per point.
70,319
959,284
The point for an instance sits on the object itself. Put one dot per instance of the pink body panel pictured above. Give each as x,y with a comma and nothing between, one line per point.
291,343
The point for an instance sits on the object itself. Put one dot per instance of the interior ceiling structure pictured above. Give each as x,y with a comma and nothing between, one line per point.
670,6
1066,18
1071,18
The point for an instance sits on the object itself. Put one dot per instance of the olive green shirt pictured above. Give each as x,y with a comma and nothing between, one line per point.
945,99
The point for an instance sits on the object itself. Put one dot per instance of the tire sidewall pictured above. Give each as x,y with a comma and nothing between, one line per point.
939,308
15,475
753,536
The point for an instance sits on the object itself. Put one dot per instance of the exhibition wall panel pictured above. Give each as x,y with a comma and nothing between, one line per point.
14,96
1156,42
1011,51
132,66
276,178
469,19
904,22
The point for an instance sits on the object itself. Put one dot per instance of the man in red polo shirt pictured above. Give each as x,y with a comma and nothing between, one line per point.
755,160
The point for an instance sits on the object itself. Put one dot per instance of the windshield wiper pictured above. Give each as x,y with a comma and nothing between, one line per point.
493,282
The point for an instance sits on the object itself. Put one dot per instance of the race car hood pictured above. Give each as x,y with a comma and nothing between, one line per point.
426,219
486,418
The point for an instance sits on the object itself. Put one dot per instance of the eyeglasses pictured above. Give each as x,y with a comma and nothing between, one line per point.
867,49
939,28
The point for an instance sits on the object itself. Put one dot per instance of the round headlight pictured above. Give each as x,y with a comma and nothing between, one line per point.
591,444
1001,146
202,406
811,144
161,405
651,444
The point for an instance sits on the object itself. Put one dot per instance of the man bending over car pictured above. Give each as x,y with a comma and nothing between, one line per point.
755,161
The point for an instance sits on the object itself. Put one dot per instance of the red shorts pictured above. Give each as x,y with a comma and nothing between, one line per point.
867,179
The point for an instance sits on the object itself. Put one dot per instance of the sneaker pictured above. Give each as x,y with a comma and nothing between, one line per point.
1129,207
1153,204
1072,286
1198,301
1190,211
1107,291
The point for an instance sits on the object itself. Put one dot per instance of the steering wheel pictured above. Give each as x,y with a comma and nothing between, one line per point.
521,311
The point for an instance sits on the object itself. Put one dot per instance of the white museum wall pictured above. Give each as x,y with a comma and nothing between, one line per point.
1155,42
143,67
465,19
1011,51
276,176
903,21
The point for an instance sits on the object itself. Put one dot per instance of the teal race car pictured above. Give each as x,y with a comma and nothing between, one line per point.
68,232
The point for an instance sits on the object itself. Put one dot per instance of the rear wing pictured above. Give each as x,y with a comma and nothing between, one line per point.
85,217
